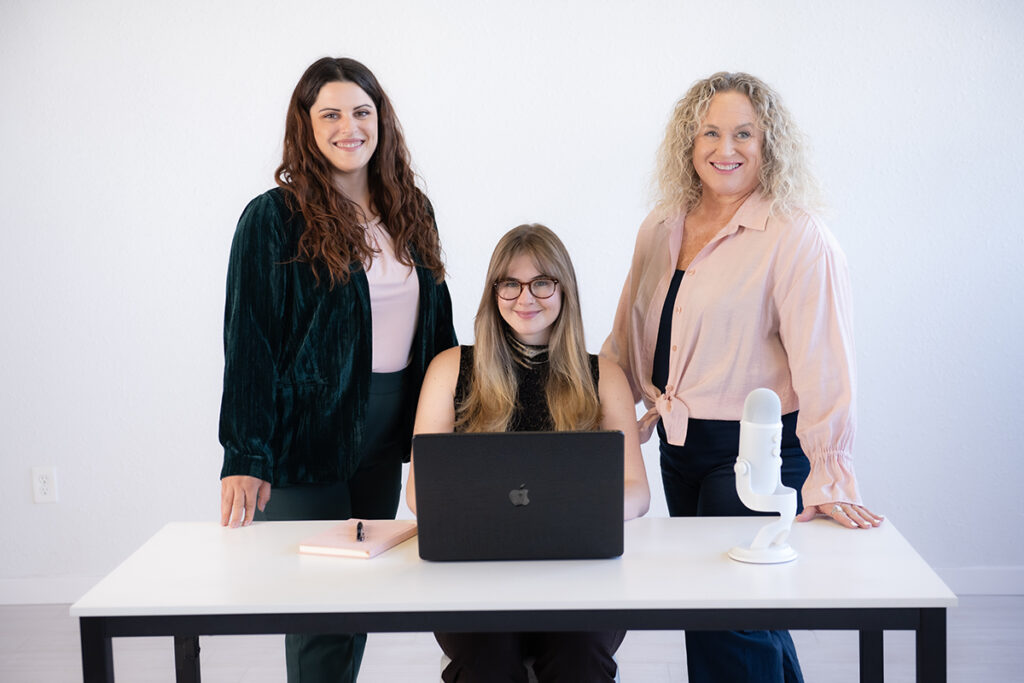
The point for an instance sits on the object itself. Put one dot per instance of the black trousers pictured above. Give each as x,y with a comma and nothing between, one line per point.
699,481
562,657
371,493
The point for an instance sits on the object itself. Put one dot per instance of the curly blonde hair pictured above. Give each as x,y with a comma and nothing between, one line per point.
785,178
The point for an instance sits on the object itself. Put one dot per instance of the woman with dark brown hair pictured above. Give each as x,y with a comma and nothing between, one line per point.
336,304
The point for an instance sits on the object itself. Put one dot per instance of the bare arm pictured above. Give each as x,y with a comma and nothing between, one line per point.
620,414
435,413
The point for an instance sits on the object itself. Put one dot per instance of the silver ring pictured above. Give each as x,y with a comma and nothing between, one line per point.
835,508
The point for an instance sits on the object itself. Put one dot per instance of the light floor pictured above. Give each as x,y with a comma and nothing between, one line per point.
39,644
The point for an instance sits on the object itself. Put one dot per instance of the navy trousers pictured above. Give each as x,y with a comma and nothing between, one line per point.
699,481
371,493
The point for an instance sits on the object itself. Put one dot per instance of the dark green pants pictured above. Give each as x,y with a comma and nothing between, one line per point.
371,493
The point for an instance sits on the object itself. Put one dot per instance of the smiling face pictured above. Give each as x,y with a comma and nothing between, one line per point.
529,317
344,122
727,150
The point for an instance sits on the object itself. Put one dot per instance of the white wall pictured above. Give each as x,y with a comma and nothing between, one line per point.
134,133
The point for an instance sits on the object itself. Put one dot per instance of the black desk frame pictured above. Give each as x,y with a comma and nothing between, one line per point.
928,623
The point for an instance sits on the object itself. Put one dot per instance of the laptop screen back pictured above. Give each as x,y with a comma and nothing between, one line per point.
519,495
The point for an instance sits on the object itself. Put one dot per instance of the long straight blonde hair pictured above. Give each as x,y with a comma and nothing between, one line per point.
571,392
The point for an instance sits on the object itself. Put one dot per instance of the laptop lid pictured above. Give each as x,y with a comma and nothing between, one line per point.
519,495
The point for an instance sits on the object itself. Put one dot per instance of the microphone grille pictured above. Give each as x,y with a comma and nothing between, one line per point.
762,407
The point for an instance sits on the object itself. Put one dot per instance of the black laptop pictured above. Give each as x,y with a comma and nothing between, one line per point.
519,495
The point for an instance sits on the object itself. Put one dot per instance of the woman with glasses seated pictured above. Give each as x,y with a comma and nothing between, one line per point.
530,371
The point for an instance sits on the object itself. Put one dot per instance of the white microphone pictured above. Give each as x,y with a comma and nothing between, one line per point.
759,479
761,442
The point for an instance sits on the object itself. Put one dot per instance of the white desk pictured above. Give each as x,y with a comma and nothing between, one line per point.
195,579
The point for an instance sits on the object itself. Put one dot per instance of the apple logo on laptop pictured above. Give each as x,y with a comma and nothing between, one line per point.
520,496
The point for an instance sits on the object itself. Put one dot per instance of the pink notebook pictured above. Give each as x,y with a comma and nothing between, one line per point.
341,540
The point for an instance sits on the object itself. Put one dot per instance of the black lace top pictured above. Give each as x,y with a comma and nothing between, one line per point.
531,412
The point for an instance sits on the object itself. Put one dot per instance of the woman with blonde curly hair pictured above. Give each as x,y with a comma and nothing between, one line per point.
336,304
529,370
735,285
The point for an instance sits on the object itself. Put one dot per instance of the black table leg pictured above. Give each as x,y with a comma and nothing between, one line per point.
97,653
872,662
186,659
931,646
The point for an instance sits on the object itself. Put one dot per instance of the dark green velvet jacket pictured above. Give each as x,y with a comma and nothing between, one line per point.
297,355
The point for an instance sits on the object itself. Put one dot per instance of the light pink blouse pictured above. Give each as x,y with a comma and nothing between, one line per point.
394,301
765,304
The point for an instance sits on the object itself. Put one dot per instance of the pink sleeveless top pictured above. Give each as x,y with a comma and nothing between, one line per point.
394,300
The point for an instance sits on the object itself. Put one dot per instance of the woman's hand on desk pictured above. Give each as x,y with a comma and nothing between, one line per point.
847,514
240,495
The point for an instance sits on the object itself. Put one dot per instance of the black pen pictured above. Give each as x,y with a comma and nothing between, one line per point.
360,536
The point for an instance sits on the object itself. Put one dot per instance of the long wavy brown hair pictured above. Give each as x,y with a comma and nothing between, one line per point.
333,236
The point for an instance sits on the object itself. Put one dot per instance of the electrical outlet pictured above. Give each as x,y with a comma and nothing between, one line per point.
44,484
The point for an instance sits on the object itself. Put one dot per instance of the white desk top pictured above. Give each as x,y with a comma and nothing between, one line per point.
681,563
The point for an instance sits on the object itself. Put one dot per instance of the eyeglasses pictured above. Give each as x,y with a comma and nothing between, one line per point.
540,287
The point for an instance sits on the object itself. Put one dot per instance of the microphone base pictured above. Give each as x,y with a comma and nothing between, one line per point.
774,554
